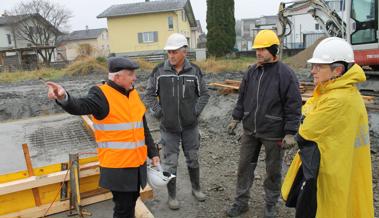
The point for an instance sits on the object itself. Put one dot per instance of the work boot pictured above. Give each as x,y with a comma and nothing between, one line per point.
270,211
236,210
173,204
194,174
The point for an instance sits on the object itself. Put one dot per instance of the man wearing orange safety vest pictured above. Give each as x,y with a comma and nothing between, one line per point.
121,132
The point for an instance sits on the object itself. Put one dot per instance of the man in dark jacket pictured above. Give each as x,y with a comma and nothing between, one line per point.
182,94
121,131
269,105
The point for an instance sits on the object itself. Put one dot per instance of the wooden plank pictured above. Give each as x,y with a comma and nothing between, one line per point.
306,89
88,123
228,81
232,82
39,171
146,193
368,99
25,149
57,207
224,86
141,210
37,181
87,170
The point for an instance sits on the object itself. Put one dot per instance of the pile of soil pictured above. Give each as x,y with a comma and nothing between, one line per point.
300,60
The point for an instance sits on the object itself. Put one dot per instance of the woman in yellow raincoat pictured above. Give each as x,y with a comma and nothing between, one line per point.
330,177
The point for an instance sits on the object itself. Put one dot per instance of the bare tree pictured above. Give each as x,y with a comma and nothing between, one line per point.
40,22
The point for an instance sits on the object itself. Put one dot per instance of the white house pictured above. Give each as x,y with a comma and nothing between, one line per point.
16,52
88,42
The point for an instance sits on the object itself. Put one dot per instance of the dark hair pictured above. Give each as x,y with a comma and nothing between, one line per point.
274,50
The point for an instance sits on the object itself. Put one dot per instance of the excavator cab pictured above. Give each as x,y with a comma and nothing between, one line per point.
363,32
355,20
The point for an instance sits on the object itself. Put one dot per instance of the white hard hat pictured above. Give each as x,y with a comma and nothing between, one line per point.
175,41
157,177
331,50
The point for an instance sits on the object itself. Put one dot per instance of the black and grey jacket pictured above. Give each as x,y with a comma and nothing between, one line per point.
269,102
176,98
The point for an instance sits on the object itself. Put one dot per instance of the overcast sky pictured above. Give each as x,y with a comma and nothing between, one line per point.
85,11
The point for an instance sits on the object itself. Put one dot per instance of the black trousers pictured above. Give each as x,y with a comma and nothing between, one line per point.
125,203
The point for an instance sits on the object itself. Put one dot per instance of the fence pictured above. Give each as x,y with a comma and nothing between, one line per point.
285,52
160,57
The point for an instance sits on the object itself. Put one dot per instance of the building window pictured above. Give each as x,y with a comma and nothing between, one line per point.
9,39
317,26
170,21
147,37
184,17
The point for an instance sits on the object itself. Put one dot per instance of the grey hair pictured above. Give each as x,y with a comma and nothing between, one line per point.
335,65
184,48
112,75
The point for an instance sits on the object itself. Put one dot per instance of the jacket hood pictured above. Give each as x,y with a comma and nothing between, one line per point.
353,76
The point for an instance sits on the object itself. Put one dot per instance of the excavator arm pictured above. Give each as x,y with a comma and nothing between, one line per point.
320,11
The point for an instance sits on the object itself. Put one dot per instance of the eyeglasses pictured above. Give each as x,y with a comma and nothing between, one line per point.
318,67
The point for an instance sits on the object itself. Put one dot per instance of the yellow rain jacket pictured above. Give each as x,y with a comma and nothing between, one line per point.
336,120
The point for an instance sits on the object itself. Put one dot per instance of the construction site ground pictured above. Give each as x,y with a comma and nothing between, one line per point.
27,116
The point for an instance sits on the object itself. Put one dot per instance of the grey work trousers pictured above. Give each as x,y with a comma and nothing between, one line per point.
249,153
190,140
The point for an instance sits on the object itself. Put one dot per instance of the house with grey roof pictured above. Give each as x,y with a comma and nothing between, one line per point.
142,28
87,42
18,49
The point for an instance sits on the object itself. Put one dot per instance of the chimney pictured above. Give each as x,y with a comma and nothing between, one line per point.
86,27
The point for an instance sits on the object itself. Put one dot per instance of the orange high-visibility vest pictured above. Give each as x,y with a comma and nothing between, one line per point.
120,135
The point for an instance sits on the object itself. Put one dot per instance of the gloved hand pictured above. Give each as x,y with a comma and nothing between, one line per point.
289,141
232,126
157,114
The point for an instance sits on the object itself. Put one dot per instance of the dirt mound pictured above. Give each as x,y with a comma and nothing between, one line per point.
86,65
300,60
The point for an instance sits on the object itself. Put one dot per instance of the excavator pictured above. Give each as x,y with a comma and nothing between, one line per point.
357,23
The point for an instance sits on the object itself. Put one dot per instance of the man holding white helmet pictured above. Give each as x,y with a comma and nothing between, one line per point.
120,129
177,94
331,174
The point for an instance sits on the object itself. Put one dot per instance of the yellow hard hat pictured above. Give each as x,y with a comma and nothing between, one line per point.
265,39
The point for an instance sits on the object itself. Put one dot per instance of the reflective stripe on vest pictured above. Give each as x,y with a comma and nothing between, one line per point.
119,126
121,145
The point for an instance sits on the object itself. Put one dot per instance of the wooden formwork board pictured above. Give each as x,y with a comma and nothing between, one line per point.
18,190
141,210
16,193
